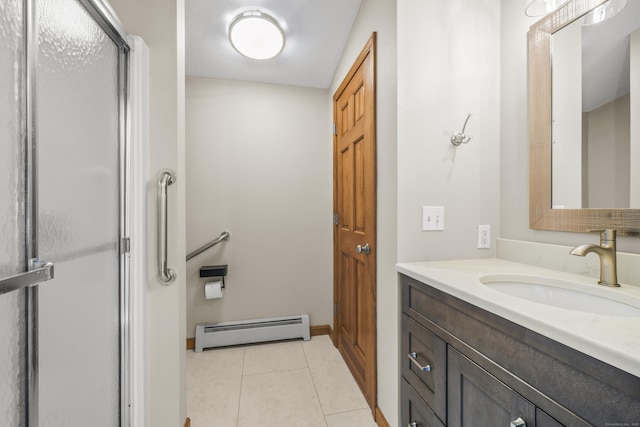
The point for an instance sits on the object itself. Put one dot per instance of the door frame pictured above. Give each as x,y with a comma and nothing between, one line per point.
368,51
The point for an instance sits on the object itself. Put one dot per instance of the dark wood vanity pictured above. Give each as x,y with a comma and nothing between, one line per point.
464,366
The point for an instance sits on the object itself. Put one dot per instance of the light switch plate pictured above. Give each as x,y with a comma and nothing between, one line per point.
432,218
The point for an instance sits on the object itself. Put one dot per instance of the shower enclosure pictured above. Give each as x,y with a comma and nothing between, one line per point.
63,151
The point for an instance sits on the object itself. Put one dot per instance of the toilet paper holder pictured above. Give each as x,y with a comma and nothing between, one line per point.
214,271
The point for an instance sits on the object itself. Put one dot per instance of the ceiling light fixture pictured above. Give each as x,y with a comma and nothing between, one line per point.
604,11
542,7
256,35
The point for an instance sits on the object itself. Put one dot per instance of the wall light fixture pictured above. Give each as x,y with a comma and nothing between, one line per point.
542,7
604,11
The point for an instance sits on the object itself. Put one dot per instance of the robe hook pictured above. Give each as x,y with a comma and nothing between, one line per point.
459,137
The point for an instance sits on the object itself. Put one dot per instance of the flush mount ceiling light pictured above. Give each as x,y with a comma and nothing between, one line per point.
542,7
256,35
604,11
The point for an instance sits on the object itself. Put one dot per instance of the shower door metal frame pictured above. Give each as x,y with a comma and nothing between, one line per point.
107,20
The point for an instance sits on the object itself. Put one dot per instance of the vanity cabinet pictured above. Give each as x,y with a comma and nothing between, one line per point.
464,366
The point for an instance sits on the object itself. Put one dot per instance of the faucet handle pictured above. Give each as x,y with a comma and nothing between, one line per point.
605,235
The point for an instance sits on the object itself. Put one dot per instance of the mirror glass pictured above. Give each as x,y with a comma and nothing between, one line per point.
595,147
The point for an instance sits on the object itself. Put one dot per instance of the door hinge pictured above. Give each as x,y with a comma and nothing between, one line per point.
125,245
335,128
335,218
335,308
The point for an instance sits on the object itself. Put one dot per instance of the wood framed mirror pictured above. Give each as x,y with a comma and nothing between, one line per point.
543,215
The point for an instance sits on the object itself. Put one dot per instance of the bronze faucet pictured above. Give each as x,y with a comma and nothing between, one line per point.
607,253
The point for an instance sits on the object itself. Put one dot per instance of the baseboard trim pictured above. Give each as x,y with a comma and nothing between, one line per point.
320,330
187,423
313,330
380,419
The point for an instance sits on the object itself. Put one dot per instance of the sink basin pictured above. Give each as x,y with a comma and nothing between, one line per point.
562,294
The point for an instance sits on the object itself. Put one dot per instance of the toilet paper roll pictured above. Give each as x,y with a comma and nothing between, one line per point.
213,290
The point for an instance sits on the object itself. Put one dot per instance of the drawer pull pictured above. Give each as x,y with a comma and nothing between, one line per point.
413,424
413,356
518,423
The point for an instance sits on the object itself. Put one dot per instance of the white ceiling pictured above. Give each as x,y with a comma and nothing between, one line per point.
316,32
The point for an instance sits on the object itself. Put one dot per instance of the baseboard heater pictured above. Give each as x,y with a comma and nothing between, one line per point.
223,334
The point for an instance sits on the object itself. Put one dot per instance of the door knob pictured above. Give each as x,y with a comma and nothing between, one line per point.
519,422
366,249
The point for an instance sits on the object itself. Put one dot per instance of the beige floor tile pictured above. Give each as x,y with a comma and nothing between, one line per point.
273,357
361,418
280,399
336,388
214,403
318,347
320,353
277,384
215,363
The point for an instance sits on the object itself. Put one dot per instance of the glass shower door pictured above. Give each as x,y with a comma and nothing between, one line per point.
79,217
12,227
62,147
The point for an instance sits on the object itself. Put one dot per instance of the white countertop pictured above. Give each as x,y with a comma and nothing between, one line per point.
611,339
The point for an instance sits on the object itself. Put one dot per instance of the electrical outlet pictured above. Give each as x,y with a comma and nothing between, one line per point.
484,236
432,218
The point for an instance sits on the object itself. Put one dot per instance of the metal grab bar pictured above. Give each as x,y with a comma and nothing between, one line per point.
39,271
166,275
223,236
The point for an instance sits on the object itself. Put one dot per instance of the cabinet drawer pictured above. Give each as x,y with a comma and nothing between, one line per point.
475,394
415,410
421,348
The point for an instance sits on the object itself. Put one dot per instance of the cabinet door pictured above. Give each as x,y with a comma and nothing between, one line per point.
477,398
415,412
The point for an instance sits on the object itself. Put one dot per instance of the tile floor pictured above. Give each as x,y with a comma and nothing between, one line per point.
292,383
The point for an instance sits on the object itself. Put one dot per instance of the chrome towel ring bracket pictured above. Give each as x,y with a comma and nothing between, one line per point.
166,275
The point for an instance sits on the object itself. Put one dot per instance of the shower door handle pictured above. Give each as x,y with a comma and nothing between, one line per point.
39,272
166,275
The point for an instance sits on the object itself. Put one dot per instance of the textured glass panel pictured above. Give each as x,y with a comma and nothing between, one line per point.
12,357
11,134
78,218
12,251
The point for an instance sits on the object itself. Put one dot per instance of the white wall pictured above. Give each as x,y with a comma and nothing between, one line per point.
609,160
259,167
634,109
514,147
164,34
380,16
448,66
567,118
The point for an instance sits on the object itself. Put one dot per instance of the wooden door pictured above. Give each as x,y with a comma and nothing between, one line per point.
477,398
355,221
